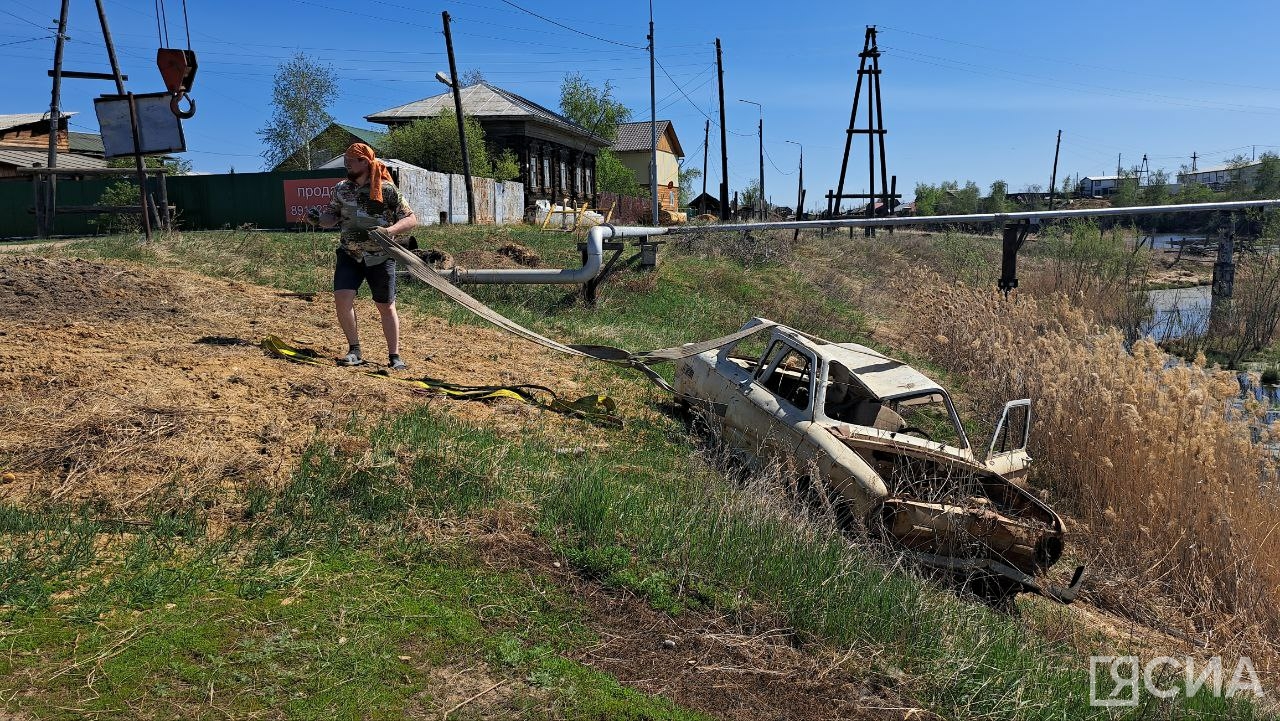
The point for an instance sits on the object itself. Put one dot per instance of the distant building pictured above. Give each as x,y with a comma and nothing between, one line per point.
557,156
330,142
1219,177
634,147
705,203
24,143
1092,186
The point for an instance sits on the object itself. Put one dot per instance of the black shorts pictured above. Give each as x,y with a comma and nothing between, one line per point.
348,273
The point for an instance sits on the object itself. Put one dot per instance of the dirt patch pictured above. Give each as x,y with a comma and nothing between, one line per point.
484,259
521,254
748,667
120,383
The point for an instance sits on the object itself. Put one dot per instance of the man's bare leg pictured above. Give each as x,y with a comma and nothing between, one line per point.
390,326
344,303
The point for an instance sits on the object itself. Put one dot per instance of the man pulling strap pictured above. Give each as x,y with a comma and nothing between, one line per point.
367,199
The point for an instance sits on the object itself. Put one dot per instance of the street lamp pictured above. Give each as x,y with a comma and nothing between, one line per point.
800,183
760,109
452,81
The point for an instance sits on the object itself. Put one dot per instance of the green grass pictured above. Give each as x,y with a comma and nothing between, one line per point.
307,607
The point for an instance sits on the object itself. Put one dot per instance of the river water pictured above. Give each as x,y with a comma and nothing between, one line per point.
1177,312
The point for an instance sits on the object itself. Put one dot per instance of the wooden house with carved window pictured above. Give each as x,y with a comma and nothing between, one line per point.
557,156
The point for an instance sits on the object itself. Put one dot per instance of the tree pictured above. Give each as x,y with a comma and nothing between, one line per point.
176,166
300,99
751,194
1266,182
471,76
432,143
1127,189
1156,191
591,108
688,176
998,201
614,177
928,197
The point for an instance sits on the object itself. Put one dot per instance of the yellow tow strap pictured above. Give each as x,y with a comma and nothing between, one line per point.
595,407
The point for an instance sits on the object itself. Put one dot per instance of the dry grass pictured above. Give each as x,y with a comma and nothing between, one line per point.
1169,498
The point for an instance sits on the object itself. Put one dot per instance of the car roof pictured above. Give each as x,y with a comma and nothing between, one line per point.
883,376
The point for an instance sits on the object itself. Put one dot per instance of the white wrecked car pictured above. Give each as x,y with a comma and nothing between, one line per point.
888,447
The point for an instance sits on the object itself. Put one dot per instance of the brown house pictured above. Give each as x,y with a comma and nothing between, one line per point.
557,156
24,143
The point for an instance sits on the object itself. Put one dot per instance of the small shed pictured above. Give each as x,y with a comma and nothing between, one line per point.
705,203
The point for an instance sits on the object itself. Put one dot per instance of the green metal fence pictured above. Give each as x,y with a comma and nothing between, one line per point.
203,202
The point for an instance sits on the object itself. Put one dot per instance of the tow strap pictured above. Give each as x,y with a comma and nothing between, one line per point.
639,361
595,407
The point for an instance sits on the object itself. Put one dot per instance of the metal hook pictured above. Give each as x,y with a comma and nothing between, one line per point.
174,106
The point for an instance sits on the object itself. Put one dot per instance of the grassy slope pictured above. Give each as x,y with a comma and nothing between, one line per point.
330,600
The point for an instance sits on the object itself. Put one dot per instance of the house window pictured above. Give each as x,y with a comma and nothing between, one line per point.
562,175
546,173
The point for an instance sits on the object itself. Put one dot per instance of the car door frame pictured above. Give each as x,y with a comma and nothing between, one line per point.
1013,463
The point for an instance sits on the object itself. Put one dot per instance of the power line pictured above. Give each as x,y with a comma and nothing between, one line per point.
775,165
571,29
19,17
28,40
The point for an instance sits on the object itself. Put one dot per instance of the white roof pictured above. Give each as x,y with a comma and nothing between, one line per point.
18,119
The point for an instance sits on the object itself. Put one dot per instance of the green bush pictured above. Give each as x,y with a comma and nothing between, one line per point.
121,192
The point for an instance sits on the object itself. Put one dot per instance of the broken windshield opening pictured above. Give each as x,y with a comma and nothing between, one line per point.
931,413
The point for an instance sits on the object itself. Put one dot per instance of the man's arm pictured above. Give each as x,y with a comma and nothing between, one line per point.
405,218
404,225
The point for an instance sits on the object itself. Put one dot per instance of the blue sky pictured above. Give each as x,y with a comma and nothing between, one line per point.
972,91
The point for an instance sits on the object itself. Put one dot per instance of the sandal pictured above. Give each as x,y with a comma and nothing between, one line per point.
396,364
352,358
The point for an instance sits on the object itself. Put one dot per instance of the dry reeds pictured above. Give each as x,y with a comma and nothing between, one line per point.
1166,492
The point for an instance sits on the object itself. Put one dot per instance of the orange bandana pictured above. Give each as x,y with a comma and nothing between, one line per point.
377,169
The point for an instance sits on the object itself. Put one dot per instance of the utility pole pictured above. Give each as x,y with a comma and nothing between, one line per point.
462,126
1118,156
706,139
1053,177
760,132
44,215
799,185
724,145
1193,161
653,125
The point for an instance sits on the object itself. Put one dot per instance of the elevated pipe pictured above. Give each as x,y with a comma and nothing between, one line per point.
997,218
597,235
589,270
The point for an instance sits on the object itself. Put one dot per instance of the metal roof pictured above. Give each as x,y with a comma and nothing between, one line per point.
34,158
483,100
90,143
19,119
372,138
1218,169
637,136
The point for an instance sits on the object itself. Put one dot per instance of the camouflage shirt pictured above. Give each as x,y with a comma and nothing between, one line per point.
357,214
